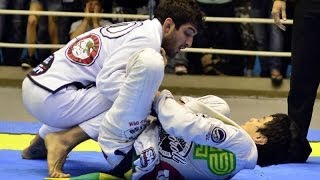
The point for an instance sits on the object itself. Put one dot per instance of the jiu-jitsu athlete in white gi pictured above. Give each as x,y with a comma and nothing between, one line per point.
109,74
198,140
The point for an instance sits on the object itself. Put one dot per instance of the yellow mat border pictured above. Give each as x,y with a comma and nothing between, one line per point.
20,141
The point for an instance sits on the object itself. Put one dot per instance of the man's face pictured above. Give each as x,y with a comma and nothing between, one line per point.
94,4
251,126
176,39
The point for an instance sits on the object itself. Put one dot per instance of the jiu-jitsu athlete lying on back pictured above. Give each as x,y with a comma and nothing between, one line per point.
195,139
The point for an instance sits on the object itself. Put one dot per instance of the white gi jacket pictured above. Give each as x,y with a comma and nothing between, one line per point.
100,55
80,82
194,142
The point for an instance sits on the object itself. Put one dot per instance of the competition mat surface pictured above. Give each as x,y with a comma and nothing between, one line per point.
86,160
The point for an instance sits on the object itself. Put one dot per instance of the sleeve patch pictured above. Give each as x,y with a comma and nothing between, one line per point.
85,50
147,157
42,67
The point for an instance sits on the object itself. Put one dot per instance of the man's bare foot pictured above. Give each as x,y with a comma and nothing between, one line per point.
36,149
59,144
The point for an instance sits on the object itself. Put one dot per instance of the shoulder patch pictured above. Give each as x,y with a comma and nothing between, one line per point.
85,50
216,134
43,66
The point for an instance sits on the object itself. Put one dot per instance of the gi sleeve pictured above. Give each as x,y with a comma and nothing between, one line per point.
178,120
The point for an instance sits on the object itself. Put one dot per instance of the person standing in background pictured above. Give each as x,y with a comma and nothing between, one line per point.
305,74
38,28
248,42
268,38
13,30
217,35
3,5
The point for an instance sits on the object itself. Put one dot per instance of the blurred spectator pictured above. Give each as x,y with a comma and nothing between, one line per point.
217,35
88,23
12,30
212,64
242,9
178,64
129,7
3,5
269,38
38,29
65,22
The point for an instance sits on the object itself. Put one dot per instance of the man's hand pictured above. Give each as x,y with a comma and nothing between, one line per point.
164,55
87,10
164,94
96,20
279,12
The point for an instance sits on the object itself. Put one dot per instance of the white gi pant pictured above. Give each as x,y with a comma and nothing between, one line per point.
126,119
66,108
87,107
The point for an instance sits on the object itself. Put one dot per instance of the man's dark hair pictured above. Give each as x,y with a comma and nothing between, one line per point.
100,1
181,12
84,3
284,145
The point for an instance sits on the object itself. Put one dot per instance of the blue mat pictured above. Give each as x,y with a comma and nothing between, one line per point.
305,171
13,167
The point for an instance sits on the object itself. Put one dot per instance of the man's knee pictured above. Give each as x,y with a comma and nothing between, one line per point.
216,103
150,60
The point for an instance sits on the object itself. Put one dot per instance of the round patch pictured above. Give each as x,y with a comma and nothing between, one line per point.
218,135
85,50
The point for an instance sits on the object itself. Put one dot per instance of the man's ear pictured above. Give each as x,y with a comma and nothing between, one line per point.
260,139
168,26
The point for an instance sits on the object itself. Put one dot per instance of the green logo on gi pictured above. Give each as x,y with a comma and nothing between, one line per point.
220,162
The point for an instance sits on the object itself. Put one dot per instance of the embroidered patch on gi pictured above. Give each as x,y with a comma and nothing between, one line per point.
220,162
133,133
174,148
147,157
85,50
218,135
43,66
